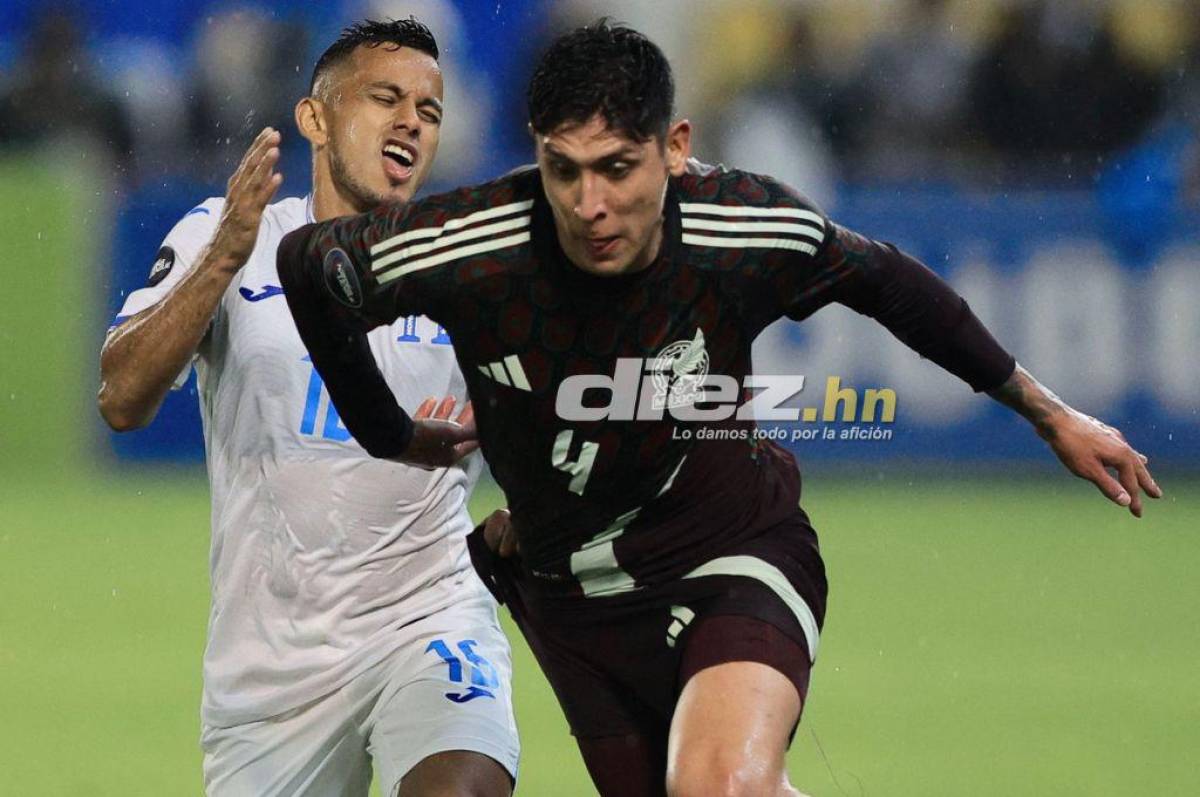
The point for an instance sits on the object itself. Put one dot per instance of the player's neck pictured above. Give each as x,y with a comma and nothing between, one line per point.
328,201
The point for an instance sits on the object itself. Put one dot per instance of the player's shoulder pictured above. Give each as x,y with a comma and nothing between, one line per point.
194,228
473,221
291,207
723,210
714,188
208,211
509,195
289,213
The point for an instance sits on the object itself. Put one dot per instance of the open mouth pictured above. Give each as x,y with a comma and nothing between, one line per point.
398,161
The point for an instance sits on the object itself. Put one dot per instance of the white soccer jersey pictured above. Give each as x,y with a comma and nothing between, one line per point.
319,552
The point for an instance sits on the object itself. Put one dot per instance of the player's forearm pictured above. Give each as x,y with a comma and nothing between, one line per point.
1033,401
336,338
142,358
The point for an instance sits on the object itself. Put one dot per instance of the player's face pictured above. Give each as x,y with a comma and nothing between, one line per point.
607,192
384,116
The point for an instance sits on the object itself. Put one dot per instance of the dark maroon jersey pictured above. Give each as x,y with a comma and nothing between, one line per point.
558,362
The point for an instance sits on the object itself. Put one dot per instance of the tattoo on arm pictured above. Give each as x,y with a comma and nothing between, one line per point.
1033,400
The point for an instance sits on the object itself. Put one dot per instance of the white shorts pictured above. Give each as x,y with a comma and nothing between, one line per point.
447,686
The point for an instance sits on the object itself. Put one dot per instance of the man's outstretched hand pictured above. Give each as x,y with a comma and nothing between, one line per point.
1089,448
437,441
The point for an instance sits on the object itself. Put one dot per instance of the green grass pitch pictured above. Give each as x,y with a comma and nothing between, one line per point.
984,638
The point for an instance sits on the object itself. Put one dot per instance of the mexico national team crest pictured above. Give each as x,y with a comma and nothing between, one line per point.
341,279
678,373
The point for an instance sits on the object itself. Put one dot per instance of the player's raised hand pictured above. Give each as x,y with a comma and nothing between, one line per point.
437,441
1091,449
247,193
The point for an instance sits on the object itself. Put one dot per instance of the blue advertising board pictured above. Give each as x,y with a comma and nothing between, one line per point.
1101,304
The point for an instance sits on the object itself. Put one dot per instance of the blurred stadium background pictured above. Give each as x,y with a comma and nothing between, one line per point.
995,627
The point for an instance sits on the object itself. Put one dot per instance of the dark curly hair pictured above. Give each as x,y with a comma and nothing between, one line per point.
370,33
611,70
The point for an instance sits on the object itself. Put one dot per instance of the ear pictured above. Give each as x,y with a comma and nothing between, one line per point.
679,147
311,121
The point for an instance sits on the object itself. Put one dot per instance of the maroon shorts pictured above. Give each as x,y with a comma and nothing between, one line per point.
618,664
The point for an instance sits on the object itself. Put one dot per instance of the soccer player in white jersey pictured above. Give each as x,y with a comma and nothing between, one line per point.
347,626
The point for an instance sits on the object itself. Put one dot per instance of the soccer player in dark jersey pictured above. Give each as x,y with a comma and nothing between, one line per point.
667,580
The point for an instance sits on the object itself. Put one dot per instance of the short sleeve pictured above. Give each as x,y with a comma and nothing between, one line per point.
175,257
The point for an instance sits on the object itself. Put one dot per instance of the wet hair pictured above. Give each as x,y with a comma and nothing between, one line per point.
611,70
370,33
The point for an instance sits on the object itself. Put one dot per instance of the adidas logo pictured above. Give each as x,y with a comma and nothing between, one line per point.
507,372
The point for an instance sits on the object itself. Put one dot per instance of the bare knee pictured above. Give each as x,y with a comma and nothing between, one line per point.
730,731
725,773
456,773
